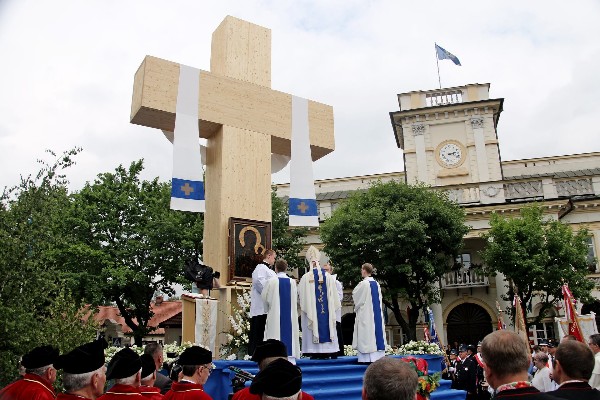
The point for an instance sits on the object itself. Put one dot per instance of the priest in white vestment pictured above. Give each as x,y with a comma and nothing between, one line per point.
279,295
319,302
369,330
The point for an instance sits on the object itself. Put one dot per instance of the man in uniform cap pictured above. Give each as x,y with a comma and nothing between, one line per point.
147,388
125,368
39,376
279,379
196,364
266,352
466,371
84,373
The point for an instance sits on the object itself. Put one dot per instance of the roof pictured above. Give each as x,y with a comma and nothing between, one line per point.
162,312
560,174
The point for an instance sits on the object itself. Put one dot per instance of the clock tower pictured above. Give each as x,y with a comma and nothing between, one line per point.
449,138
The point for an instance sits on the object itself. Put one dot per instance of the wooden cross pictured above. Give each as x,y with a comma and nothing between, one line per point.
243,119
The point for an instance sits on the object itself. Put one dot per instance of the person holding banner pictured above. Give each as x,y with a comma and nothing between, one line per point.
279,296
369,329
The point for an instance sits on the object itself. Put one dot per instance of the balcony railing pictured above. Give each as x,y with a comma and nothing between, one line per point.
464,277
443,98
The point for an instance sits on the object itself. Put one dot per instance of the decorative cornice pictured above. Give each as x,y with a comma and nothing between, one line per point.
418,129
477,123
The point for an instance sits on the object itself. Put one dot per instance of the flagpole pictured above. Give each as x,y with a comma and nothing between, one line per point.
437,62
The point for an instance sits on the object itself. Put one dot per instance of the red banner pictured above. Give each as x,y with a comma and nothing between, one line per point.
571,314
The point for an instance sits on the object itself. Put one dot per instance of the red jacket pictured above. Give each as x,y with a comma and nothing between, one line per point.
151,392
245,394
122,392
186,391
30,387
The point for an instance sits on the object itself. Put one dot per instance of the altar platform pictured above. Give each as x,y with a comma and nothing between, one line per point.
339,379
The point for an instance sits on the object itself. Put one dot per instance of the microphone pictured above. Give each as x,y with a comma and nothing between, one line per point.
241,373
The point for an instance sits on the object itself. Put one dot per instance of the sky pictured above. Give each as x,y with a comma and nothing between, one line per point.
68,65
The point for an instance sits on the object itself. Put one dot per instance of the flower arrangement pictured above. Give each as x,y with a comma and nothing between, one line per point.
236,346
427,383
419,347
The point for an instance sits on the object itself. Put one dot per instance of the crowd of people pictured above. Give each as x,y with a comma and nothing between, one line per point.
500,366
549,370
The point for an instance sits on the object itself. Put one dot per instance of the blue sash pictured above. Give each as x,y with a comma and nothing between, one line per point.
377,316
285,314
322,308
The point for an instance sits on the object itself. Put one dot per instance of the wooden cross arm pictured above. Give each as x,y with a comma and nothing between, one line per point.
226,101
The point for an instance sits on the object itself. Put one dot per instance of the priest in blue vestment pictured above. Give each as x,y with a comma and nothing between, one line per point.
280,299
369,330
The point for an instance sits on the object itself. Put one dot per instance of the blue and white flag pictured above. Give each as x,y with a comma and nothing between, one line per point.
303,200
443,54
187,190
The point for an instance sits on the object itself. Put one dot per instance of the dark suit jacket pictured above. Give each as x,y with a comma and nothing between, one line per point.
527,393
163,383
576,391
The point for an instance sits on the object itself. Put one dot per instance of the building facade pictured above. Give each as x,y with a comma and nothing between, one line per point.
449,141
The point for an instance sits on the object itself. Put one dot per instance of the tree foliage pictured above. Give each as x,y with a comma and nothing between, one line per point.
126,244
409,233
36,306
537,255
287,242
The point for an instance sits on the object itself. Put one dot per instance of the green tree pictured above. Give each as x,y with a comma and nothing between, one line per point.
287,241
126,244
409,233
537,255
36,306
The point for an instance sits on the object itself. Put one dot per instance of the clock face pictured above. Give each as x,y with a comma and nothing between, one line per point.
451,154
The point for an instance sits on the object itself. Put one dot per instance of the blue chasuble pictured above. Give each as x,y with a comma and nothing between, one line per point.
322,305
377,316
285,314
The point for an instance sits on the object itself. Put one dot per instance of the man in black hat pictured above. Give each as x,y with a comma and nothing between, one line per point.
84,373
266,352
466,371
39,376
147,388
125,368
280,379
196,367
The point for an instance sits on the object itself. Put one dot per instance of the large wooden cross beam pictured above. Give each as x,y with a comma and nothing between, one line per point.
243,119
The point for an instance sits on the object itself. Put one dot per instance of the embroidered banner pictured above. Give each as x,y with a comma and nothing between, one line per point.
322,305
